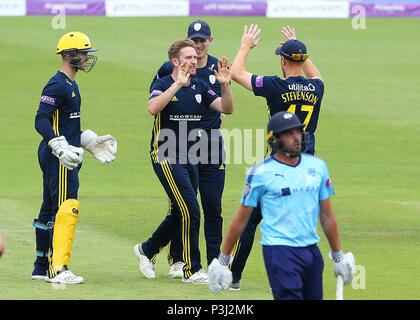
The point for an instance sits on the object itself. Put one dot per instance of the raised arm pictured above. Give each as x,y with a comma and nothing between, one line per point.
311,71
158,103
223,104
249,40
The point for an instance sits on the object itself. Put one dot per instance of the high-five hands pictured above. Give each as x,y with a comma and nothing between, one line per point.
250,37
289,34
224,74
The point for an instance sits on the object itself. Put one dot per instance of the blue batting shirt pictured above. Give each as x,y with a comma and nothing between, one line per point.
289,198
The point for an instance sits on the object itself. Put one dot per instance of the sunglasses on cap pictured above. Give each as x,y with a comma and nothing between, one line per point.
297,57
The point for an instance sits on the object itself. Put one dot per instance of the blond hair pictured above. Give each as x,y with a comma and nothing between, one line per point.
177,45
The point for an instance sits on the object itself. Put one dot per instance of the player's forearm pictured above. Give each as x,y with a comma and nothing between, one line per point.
236,228
158,103
238,69
227,99
311,71
239,62
329,225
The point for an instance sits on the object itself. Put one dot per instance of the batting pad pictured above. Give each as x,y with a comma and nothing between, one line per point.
64,228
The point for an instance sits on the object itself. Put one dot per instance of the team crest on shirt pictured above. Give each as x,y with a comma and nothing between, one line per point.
312,172
212,78
198,98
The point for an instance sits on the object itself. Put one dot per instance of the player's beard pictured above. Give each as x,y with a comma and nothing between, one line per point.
193,71
294,150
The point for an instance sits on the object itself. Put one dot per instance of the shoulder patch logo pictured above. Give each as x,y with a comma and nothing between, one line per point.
259,81
48,100
247,189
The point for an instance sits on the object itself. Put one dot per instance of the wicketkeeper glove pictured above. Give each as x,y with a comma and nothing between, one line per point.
69,156
344,265
102,148
220,277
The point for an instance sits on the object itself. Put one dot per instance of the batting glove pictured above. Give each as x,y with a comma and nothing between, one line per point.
103,148
220,277
344,265
79,151
68,157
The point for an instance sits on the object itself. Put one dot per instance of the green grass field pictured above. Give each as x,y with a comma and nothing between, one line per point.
368,134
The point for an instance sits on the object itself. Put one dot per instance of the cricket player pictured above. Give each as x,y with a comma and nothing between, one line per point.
60,155
178,102
295,93
211,170
293,189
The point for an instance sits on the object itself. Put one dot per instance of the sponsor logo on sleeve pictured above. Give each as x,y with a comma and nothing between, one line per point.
328,183
155,93
247,189
48,100
212,92
259,81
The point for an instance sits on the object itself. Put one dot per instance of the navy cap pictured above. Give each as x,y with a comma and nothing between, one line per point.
283,121
199,29
292,47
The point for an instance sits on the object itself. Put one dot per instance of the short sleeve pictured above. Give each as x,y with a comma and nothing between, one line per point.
263,86
208,94
253,189
326,190
156,89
